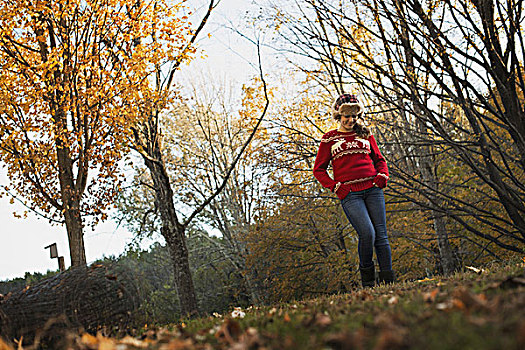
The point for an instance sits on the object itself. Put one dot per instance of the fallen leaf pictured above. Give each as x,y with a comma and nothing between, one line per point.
444,306
426,279
164,335
105,343
89,340
229,331
466,300
430,297
4,346
476,270
128,340
393,300
286,317
322,320
248,340
458,304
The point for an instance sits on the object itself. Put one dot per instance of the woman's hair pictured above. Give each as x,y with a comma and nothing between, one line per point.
361,130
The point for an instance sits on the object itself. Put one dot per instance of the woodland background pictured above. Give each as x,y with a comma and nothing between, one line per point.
222,178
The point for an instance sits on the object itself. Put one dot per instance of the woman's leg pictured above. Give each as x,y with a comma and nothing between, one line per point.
355,209
375,204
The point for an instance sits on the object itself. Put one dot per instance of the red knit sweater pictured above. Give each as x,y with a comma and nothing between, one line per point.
357,163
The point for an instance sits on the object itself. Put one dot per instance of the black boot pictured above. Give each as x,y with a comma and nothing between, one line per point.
368,276
387,277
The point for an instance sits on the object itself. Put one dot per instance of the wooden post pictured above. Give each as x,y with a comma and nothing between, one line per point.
61,264
53,252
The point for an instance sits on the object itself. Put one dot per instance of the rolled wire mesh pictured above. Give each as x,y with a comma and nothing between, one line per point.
89,298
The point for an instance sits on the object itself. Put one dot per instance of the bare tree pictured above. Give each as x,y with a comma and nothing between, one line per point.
446,81
208,134
148,138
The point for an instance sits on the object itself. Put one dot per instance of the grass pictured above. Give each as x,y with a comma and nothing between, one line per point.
465,311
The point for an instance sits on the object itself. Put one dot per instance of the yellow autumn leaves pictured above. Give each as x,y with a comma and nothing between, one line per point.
75,75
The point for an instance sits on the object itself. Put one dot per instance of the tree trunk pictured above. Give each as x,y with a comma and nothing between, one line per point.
70,202
69,193
426,162
75,235
254,291
181,267
173,232
448,262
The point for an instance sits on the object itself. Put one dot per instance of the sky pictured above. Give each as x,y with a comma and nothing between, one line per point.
23,241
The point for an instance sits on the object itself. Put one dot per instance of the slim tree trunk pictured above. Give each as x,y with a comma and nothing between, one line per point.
448,262
70,197
181,267
426,161
254,291
172,231
75,234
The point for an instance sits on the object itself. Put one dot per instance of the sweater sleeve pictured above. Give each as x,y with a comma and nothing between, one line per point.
377,157
322,161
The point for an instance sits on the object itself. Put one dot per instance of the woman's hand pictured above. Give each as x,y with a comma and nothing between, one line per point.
342,191
380,180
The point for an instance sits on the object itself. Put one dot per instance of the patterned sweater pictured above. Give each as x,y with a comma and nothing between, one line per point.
357,163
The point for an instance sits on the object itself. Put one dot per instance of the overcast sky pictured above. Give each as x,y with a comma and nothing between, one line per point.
23,240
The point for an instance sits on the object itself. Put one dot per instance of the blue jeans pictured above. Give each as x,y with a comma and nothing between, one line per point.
366,212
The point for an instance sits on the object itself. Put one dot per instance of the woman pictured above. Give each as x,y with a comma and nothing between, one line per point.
360,173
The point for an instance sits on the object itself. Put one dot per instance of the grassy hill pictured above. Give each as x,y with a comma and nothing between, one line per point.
470,310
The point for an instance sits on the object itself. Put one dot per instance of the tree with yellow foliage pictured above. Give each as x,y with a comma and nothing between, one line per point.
70,70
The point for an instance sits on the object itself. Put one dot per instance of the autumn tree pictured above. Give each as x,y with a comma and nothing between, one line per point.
204,147
70,72
205,137
148,142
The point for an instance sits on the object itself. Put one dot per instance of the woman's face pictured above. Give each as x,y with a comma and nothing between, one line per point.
347,122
